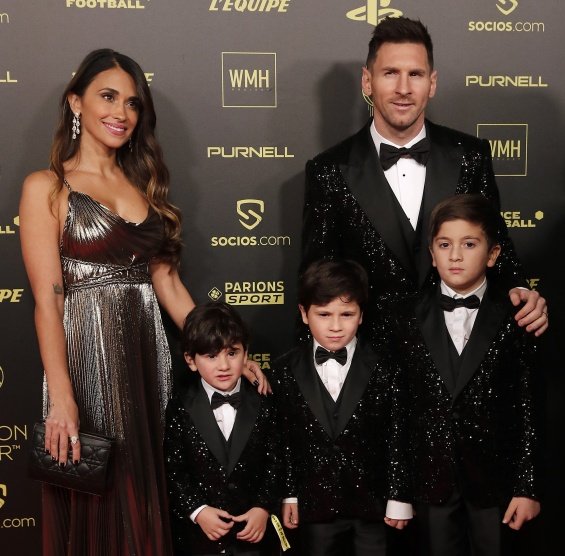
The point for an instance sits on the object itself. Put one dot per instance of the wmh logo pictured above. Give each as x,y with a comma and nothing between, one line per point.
249,80
373,12
508,146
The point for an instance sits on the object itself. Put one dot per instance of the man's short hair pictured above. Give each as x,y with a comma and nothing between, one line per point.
469,207
211,327
400,30
326,280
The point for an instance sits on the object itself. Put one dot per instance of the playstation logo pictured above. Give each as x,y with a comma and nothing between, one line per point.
374,12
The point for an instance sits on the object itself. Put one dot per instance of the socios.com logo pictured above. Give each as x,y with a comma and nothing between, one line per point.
374,12
506,7
250,211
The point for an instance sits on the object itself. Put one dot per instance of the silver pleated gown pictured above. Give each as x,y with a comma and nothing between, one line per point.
119,363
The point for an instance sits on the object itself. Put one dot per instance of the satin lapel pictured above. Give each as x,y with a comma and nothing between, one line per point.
435,334
367,182
306,377
198,406
442,176
487,324
362,366
244,423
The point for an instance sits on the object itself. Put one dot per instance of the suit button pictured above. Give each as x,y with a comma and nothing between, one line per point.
335,415
231,486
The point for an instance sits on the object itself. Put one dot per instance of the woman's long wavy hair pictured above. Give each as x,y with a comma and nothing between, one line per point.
143,165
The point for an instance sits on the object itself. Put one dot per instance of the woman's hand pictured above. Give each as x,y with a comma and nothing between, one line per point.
255,375
61,428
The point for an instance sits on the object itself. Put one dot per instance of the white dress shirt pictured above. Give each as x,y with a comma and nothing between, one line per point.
225,417
406,178
460,321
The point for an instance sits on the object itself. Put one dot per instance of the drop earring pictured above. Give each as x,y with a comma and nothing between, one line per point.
76,126
369,101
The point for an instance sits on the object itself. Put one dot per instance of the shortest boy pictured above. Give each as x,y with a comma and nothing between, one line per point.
342,408
473,427
221,449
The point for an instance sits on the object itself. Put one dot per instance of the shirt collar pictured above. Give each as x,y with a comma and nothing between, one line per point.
210,389
378,138
479,292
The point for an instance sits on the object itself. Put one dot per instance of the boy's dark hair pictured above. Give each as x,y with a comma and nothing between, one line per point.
325,280
211,327
400,30
473,208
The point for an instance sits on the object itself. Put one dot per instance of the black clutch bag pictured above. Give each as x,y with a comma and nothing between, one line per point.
91,475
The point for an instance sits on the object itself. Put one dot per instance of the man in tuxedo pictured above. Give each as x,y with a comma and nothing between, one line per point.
343,409
369,198
221,444
473,428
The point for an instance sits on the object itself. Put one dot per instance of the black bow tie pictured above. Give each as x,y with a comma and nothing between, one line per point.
219,399
389,155
322,355
449,303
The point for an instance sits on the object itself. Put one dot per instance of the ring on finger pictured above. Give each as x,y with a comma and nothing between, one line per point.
74,440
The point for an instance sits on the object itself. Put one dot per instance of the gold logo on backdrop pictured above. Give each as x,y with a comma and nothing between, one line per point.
3,494
7,78
262,359
255,293
214,294
113,4
512,5
10,436
504,81
12,296
533,283
509,147
246,209
515,219
249,152
374,12
1,377
4,18
249,5
8,230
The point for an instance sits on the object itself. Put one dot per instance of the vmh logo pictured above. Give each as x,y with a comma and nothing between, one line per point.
374,12
250,211
506,7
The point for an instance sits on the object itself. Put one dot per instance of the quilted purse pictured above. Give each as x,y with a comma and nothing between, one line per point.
91,475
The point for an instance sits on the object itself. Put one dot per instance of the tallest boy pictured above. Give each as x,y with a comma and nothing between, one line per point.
368,202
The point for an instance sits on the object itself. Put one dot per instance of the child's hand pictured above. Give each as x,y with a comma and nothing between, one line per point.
396,523
290,515
255,375
256,524
519,511
209,520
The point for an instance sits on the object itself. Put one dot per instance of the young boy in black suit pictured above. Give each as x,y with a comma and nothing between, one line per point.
221,448
473,429
341,405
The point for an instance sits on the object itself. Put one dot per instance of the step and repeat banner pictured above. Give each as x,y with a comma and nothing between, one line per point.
247,91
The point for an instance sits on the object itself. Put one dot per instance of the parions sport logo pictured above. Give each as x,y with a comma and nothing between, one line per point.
250,293
250,6
250,214
374,11
506,8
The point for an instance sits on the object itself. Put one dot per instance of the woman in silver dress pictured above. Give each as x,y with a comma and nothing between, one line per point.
101,245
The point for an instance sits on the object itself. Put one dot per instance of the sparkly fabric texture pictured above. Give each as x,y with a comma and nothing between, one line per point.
352,469
338,225
484,439
246,475
119,365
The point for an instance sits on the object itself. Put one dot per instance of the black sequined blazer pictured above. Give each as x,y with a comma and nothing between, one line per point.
348,464
203,469
351,212
475,428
